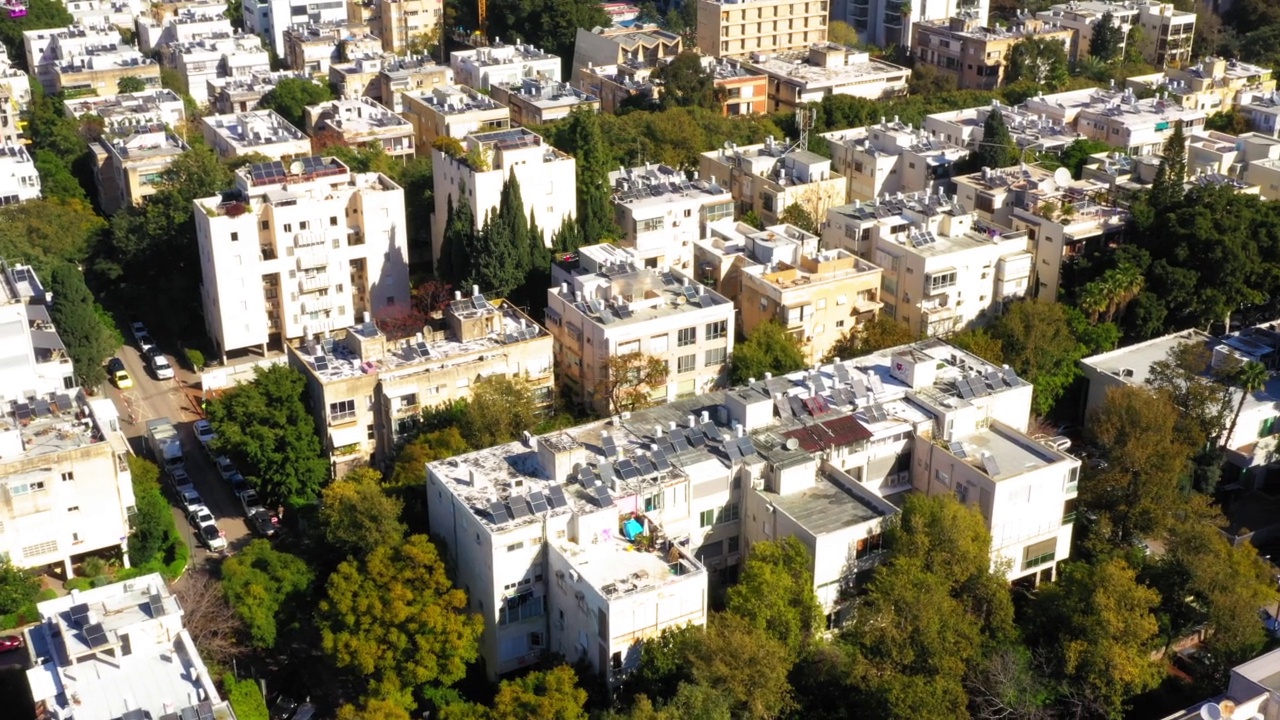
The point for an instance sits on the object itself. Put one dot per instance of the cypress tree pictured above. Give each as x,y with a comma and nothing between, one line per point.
1104,44
1167,189
595,213
997,149
459,244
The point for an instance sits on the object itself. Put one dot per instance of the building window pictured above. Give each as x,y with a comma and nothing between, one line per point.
686,363
687,336
342,411
941,281
650,225
43,548
74,508
719,211
716,330
731,545
515,546
716,357
68,476
235,236
1040,553
522,606
706,518
17,489
653,502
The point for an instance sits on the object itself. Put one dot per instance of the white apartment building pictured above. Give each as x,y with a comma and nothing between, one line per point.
120,13
891,157
769,177
120,651
400,76
537,102
269,19
498,63
19,180
149,107
210,58
305,248
548,180
1031,131
549,533
15,100
1061,218
1213,84
360,122
454,111
605,304
129,163
186,25
83,60
64,480
258,131
807,76
313,49
1262,110
662,212
1167,32
1252,692
231,95
368,391
943,268
1140,127
890,22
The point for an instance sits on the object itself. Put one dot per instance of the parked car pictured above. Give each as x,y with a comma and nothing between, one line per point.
264,522
200,515
226,468
179,477
286,708
145,342
138,329
239,484
1269,622
213,538
160,366
1194,661
11,642
249,502
118,374
189,500
204,432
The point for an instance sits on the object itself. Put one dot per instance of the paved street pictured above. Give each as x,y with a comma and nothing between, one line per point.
150,398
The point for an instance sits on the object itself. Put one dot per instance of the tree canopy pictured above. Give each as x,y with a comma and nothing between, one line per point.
686,83
997,149
81,327
775,593
631,380
770,349
357,515
1041,62
291,96
878,333
1107,38
264,586
1036,339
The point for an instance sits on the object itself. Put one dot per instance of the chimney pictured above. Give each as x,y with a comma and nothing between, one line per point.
671,425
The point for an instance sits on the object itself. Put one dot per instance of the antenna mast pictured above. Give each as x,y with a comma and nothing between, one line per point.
805,119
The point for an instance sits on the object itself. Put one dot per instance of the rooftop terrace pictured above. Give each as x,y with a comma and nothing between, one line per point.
621,567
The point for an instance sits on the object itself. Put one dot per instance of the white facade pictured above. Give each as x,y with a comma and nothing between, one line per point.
84,59
662,212
943,268
547,178
883,22
120,13
825,69
454,111
482,67
308,247
258,131
362,121
1030,130
269,19
184,26
144,108
1167,32
608,306
19,180
891,157
65,486
15,100
210,58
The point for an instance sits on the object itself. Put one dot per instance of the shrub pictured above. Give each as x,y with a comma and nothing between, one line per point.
245,697
195,359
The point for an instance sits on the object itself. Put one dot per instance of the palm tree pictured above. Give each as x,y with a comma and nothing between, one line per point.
1094,299
1127,282
1250,378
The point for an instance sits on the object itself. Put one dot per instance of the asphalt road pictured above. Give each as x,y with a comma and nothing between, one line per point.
150,398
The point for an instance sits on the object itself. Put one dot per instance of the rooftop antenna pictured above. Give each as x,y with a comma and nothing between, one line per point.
805,120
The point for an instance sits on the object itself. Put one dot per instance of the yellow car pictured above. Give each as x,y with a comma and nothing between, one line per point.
119,376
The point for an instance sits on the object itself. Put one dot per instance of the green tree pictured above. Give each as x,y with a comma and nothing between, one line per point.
1249,378
1107,37
775,593
46,231
17,588
499,256
1185,376
1096,628
550,25
1038,343
80,325
357,515
1138,491
878,333
265,427
770,349
152,523
374,709
686,83
631,381
541,695
796,214
1038,61
745,663
1230,121
842,33
664,662
130,84
585,136
1075,155
266,587
1167,188
291,96
57,182
979,342
997,148
455,264
499,410
751,218
395,619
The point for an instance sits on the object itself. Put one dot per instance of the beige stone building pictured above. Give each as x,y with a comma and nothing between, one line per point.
537,102
806,76
314,48
400,76
779,274
362,121
636,47
259,131
453,111
616,84
401,24
976,56
1213,84
128,163
731,28
368,391
1166,31
769,177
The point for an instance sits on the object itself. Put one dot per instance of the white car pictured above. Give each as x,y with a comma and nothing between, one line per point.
138,329
226,468
160,365
189,499
249,502
207,528
204,432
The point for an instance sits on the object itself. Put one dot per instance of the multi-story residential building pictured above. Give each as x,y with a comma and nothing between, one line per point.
1254,687
241,94
357,78
731,28
46,50
313,49
228,56
1118,117
1167,32
807,76
770,177
1211,85
976,55
547,178
943,267
1251,446
891,22
121,13
405,25
144,108
746,92
300,249
779,274
129,161
81,60
481,67
19,179
269,19
616,85
635,46
259,131
454,111
604,305
184,26
399,76
120,651
537,102
1061,218
892,157
15,100
1262,111
362,121
1031,131
63,471
367,390
662,212
812,455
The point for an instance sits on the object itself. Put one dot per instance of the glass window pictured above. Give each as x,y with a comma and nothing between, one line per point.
342,411
717,330
687,336
686,363
716,356
706,518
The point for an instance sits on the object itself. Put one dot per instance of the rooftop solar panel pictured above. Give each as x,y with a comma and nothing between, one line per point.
859,389
797,406
155,604
610,446
537,502
680,443
601,497
498,512
783,407
1011,377
96,635
962,386
842,373
710,430
80,613
819,385
555,497
994,379
660,460
625,466
979,387
519,508
733,452
645,465
607,472
989,462
746,446
958,450
697,439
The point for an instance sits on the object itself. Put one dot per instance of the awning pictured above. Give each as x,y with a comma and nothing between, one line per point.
343,436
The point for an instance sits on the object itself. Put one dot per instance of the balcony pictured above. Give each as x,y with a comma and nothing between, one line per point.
308,239
317,303
312,283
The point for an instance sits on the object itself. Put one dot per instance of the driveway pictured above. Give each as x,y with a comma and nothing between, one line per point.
178,400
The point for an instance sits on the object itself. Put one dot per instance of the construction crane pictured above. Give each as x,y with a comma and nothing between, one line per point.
482,15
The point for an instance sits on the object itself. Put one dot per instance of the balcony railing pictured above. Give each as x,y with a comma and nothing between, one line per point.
311,283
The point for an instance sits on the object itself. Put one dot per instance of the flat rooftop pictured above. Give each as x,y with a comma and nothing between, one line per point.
1002,454
254,128
624,294
143,143
826,507
659,186
796,66
618,567
496,55
1133,362
456,100
360,116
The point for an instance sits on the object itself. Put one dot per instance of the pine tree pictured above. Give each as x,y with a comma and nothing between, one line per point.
595,213
997,149
511,208
460,239
1167,189
444,263
568,238
1104,44
501,256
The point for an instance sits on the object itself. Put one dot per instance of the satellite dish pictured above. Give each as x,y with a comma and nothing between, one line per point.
1211,711
1227,707
1062,177
792,443
295,167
